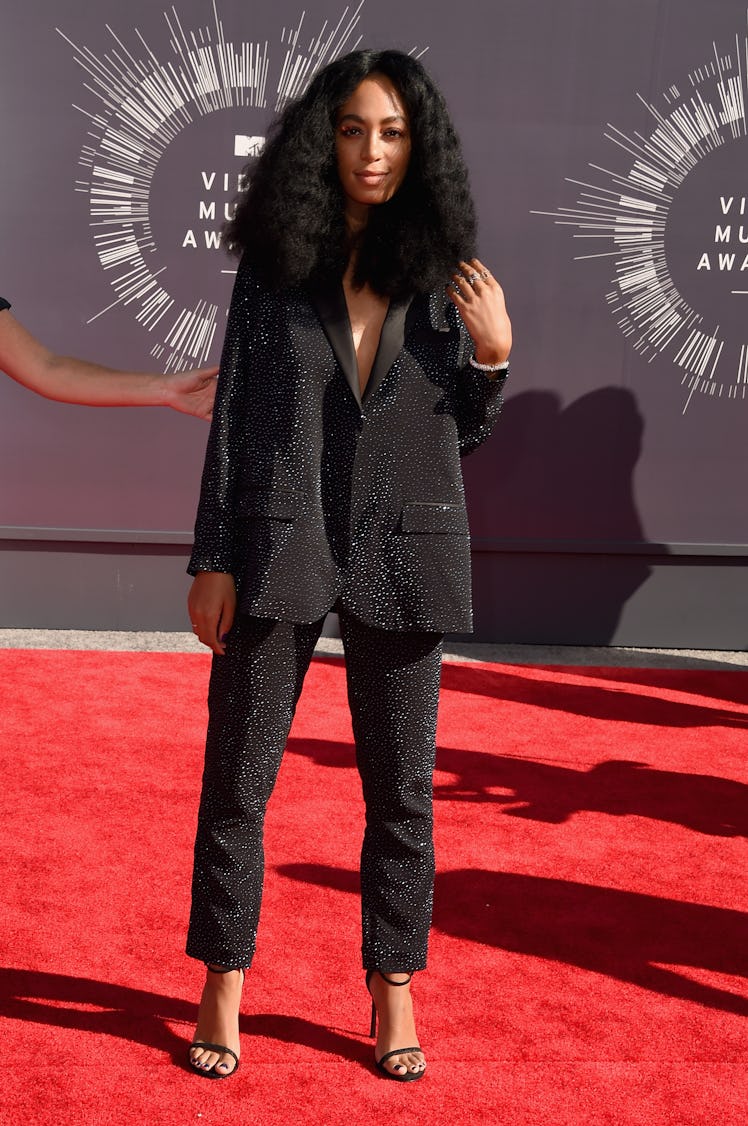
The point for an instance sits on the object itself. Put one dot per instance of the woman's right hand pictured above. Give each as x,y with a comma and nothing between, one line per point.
212,606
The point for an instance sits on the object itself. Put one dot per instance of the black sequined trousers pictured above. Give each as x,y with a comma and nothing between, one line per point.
393,690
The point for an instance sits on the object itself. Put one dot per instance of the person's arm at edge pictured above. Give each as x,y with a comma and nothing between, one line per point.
69,380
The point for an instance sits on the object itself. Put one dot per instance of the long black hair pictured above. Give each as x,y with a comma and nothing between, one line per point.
290,220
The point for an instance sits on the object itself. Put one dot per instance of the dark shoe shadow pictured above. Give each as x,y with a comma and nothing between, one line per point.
103,1008
295,1030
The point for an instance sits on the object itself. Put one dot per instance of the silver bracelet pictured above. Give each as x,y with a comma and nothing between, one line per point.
503,366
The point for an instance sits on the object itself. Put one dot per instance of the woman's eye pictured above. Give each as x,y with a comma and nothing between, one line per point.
357,131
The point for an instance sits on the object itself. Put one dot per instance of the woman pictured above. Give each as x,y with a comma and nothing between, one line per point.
350,386
69,380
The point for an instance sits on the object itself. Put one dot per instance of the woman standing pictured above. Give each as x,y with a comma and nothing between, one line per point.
351,383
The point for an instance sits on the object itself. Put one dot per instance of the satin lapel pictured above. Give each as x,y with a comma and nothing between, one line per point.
390,344
330,305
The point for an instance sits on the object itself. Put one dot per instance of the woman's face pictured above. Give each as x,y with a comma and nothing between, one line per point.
372,142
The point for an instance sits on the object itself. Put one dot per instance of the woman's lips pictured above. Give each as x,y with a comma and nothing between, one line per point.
373,179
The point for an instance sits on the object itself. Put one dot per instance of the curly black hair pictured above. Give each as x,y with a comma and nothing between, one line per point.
290,223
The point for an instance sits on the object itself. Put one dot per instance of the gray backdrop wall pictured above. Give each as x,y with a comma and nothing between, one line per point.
607,141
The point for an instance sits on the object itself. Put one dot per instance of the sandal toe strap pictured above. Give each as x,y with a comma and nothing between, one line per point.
398,1052
217,1048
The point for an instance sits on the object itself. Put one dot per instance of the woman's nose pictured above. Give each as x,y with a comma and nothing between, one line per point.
371,147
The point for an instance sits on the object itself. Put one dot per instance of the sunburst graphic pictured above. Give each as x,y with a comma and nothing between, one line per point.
637,212
142,104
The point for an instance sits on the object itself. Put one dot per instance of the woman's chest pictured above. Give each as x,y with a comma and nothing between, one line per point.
367,312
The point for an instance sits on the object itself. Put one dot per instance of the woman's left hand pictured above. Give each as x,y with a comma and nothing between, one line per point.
480,299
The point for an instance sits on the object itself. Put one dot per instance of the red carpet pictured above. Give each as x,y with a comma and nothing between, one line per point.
590,948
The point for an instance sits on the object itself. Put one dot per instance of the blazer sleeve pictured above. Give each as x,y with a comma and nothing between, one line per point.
214,548
476,397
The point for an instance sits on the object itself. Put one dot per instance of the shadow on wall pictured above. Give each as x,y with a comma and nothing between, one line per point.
565,478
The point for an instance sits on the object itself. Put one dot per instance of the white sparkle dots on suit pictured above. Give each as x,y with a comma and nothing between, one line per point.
393,690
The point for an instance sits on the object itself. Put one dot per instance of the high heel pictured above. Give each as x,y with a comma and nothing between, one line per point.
211,1073
408,1076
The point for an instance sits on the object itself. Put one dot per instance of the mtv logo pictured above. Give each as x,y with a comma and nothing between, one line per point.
247,146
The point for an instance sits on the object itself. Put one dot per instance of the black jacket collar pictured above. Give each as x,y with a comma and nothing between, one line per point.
329,302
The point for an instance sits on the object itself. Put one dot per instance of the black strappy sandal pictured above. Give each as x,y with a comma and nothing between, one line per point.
408,1076
211,1073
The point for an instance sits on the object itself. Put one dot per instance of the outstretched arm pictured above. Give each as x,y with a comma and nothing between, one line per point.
69,380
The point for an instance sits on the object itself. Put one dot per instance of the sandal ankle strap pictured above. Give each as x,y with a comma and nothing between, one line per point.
383,975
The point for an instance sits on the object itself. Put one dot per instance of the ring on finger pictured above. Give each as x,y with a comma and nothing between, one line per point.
473,278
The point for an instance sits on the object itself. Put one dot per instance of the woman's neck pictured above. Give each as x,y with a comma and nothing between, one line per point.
356,218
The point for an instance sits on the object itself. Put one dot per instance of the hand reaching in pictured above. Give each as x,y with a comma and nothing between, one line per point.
192,392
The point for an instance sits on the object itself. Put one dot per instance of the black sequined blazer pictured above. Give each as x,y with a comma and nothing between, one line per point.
313,495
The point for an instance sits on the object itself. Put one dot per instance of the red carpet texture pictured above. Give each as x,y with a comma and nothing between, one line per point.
589,961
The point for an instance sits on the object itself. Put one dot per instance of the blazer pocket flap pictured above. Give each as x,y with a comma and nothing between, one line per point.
275,505
424,518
